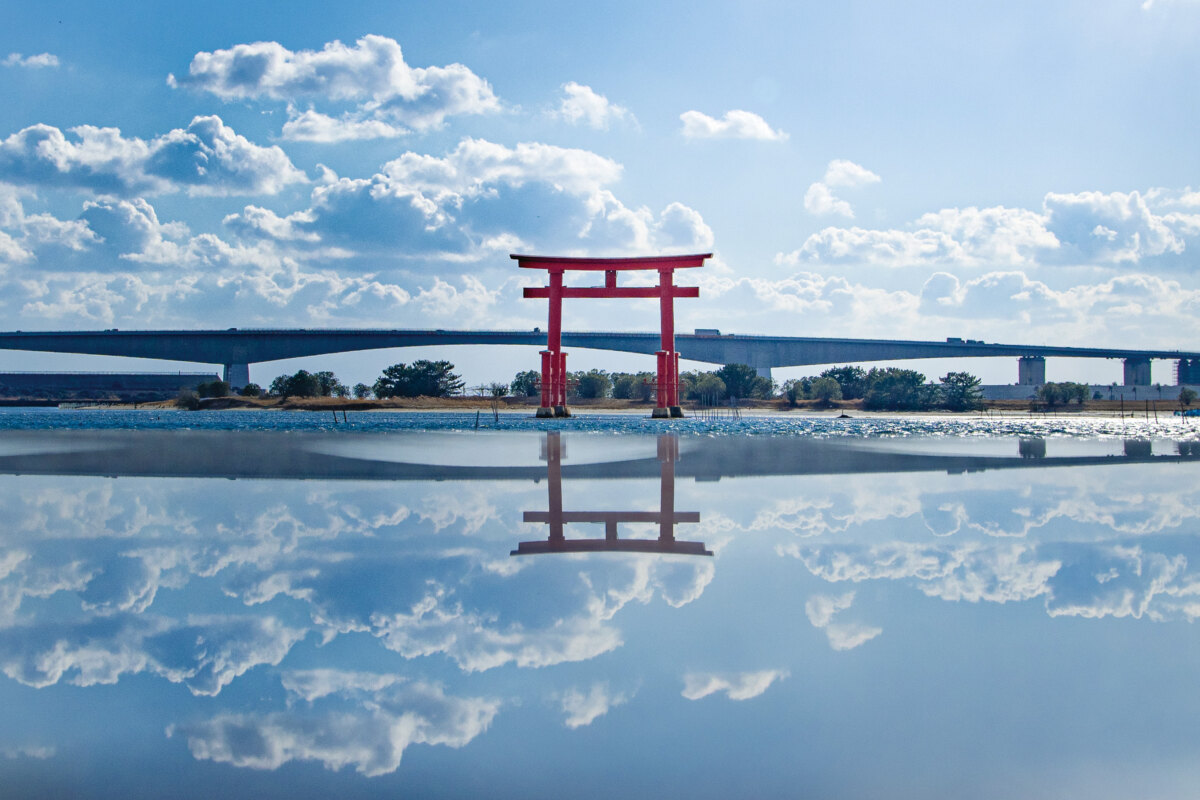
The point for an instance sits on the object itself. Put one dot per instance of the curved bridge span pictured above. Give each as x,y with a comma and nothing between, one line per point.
236,349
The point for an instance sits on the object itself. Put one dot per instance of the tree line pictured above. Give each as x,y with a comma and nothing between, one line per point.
889,388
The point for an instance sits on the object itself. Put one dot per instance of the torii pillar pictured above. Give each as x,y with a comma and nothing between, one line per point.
554,360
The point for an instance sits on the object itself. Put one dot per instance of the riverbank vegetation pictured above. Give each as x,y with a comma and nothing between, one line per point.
426,384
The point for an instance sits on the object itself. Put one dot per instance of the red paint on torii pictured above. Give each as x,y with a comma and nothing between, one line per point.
554,361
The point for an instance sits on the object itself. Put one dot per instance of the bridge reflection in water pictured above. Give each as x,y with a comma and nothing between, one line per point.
666,517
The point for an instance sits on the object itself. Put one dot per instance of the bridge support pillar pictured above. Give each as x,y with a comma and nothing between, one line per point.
1137,372
1187,371
1031,370
763,372
236,375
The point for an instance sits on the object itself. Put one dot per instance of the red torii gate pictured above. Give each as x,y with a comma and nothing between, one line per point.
554,360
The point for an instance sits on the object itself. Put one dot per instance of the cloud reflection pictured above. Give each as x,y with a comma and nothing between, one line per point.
735,686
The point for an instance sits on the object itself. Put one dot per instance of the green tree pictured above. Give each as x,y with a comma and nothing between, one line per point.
895,389
741,380
1051,394
497,389
250,390
826,391
420,379
738,379
361,390
187,400
328,385
526,384
853,380
1187,396
961,392
706,388
793,391
636,386
213,389
301,384
592,384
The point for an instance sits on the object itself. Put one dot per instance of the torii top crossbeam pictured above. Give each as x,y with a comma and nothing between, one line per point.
554,360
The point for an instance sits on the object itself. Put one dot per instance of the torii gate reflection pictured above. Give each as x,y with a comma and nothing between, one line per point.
666,517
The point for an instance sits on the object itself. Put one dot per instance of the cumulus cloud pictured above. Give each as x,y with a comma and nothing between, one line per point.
1112,228
388,96
585,708
206,158
205,653
735,124
821,610
481,199
313,126
583,105
820,200
841,172
1123,301
1085,228
362,721
39,61
736,686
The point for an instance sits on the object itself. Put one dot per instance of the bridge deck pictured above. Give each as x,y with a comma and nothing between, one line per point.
249,345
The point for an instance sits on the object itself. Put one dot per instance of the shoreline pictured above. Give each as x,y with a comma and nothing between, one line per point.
510,407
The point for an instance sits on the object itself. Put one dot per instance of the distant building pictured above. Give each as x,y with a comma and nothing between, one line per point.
139,386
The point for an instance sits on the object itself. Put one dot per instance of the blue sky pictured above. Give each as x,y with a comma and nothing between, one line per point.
1017,172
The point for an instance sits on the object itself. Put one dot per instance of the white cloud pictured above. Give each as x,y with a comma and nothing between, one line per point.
584,709
480,199
39,752
1112,228
313,126
206,158
470,302
841,172
203,653
820,200
736,686
1085,228
735,124
368,725
583,105
39,61
391,97
821,610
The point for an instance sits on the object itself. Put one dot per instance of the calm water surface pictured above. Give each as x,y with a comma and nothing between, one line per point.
266,606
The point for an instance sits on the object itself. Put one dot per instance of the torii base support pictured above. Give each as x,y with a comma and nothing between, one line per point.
670,412
555,411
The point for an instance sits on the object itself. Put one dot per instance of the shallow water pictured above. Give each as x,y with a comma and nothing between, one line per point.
888,608
748,425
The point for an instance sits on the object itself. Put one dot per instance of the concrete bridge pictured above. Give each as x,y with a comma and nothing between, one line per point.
236,349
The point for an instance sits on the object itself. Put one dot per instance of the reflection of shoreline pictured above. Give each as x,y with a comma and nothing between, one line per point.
553,451
298,456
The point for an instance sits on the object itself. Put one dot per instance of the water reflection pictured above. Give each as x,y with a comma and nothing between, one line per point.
344,604
665,518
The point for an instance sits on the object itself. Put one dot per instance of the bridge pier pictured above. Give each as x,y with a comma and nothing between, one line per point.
1187,372
763,372
1031,370
236,375
1137,372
